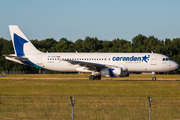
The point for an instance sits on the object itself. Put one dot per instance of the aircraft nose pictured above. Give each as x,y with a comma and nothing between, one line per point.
175,65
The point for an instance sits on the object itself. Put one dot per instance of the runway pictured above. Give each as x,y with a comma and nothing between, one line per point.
86,79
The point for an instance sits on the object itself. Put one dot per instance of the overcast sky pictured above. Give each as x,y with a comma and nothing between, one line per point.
104,19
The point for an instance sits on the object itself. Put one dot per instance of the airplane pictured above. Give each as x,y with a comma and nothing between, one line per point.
99,64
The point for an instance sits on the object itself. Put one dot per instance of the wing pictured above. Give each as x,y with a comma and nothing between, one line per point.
89,65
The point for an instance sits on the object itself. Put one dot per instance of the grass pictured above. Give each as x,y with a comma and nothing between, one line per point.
47,97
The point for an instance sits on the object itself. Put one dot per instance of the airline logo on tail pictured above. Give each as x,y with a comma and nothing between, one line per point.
19,45
22,45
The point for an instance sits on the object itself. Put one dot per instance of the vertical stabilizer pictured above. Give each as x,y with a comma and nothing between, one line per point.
22,45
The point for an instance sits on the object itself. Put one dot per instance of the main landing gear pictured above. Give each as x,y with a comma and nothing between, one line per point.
92,77
153,76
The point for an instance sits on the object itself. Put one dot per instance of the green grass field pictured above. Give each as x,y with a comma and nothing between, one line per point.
46,96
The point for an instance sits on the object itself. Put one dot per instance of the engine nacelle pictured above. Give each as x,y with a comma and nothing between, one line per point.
111,72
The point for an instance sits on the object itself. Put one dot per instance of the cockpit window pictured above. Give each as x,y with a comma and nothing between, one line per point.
169,58
166,59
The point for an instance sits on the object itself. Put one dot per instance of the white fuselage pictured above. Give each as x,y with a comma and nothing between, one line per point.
100,64
132,62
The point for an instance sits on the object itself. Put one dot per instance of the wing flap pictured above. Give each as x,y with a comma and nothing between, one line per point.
89,65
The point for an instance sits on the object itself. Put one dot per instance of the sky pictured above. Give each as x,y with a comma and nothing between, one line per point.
104,19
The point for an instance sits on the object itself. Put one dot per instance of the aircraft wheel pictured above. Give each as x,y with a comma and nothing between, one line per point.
154,78
98,77
91,77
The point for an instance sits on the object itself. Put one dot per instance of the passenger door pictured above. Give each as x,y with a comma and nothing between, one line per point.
39,59
153,60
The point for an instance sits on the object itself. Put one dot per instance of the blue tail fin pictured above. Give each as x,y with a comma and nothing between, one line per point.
21,43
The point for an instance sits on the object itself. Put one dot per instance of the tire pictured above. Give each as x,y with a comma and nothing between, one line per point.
98,77
154,78
91,77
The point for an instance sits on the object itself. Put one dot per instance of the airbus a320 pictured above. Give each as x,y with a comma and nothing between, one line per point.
99,64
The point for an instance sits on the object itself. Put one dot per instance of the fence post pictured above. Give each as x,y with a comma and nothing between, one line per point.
72,103
150,99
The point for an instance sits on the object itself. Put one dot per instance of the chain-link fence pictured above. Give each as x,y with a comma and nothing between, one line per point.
87,107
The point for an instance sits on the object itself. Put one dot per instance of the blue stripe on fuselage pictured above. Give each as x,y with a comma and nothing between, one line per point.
32,64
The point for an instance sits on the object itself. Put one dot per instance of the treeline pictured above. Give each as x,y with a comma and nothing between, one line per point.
140,43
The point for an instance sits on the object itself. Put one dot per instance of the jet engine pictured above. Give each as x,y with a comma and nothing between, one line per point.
111,72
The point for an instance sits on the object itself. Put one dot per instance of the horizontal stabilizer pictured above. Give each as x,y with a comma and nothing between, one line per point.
16,57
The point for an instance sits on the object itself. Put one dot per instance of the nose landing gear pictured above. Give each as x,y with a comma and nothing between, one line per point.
153,76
